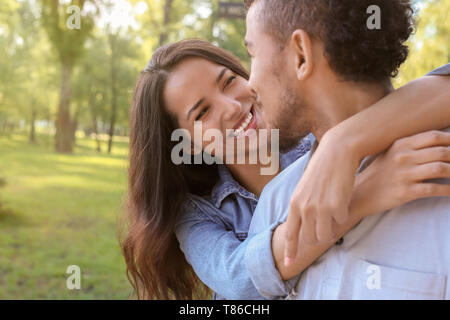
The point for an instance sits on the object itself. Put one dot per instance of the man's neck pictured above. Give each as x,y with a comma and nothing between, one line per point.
336,101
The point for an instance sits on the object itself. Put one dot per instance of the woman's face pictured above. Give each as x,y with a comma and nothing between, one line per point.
198,90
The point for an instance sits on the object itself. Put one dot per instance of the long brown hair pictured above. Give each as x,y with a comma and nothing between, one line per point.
157,188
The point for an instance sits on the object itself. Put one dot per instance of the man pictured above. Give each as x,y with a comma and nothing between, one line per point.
315,64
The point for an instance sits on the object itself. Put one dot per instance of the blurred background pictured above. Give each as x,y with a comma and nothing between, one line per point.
67,72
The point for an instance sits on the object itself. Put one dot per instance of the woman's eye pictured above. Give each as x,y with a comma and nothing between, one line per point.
201,114
229,81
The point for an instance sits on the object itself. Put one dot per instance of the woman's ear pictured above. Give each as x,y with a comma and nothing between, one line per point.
302,50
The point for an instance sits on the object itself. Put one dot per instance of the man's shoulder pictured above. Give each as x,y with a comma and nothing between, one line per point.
274,201
288,177
441,71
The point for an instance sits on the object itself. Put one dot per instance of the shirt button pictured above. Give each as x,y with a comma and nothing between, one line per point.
340,241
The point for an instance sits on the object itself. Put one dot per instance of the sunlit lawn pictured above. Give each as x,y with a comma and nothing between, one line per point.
60,210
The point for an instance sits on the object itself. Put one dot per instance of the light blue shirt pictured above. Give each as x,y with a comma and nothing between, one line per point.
403,253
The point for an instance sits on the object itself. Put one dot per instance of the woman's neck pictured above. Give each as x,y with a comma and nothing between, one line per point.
249,176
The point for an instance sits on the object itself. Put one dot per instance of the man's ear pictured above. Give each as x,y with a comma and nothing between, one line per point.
302,49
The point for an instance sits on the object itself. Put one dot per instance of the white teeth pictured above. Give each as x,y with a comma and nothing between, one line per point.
244,125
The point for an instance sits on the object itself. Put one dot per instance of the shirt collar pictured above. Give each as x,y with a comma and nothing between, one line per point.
227,185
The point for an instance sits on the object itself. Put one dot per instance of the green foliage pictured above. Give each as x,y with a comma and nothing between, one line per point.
430,46
27,72
69,43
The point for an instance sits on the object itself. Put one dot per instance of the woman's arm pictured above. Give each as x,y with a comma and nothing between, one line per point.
419,106
323,194
394,178
215,254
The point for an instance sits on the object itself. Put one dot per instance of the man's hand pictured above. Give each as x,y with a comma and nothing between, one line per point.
322,197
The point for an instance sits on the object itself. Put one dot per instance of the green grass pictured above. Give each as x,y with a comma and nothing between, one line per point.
59,210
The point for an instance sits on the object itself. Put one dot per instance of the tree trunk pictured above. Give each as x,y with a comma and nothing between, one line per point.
63,136
94,120
73,128
32,122
74,124
112,122
164,34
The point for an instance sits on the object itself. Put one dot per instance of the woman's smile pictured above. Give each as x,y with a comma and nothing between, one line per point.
247,122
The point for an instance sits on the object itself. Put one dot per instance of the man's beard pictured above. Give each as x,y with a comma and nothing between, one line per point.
291,119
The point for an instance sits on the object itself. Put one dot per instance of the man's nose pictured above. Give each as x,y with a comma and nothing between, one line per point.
252,87
250,81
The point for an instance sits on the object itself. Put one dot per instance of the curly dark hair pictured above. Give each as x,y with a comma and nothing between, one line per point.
354,52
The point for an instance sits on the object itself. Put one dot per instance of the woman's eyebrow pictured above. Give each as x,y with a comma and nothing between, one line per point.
195,107
222,72
219,77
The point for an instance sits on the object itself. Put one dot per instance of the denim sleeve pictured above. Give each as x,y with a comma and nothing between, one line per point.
215,254
261,267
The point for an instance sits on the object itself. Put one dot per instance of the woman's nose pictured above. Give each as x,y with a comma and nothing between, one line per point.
232,110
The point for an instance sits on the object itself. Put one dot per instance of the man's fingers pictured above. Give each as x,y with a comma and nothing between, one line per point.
293,224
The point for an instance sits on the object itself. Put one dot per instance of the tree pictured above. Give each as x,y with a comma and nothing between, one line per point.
26,80
69,44
122,51
166,20
91,87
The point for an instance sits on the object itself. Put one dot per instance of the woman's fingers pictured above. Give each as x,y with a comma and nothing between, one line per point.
432,170
422,190
324,225
432,154
429,139
308,231
293,224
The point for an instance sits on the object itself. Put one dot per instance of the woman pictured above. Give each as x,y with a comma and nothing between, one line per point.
209,207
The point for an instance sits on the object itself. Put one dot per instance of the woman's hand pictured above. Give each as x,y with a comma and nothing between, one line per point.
323,195
395,178
399,175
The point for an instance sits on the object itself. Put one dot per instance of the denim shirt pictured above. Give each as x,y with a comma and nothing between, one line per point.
212,232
